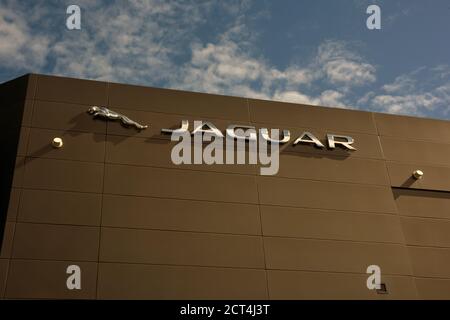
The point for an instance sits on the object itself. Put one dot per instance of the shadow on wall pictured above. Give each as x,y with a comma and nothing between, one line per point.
408,182
73,131
310,151
399,192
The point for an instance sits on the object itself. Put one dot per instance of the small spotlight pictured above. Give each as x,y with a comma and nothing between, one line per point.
57,142
417,174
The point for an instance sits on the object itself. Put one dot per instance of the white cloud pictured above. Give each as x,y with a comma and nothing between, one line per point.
326,98
228,67
442,71
293,96
331,98
157,43
349,72
17,44
343,66
145,42
401,84
132,43
407,104
421,92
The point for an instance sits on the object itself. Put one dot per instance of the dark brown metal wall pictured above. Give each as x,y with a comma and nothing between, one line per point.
13,95
112,202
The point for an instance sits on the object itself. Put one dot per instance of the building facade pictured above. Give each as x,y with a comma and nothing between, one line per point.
111,202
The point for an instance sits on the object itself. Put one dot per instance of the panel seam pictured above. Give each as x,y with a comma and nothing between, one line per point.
102,197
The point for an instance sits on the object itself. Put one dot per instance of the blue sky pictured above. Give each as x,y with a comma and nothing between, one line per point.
306,51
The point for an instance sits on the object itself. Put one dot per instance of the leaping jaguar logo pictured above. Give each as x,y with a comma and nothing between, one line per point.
104,112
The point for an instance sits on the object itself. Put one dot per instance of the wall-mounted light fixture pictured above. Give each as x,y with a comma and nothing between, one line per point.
417,174
57,142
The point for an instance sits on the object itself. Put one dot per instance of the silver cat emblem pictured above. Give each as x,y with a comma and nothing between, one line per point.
104,112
